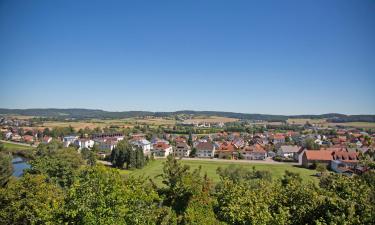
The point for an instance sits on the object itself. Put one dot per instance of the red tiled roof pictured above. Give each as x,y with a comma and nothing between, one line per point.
345,155
226,146
205,146
254,148
161,145
46,138
324,155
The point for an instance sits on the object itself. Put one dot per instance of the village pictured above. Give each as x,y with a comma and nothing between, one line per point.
340,150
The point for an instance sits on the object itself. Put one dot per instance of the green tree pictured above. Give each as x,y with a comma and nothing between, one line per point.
89,156
310,144
30,200
193,152
184,190
190,140
60,165
140,158
101,196
6,168
321,168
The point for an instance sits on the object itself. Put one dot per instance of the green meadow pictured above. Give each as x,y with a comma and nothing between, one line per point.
155,168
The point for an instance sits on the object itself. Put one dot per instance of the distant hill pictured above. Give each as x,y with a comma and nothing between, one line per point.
101,114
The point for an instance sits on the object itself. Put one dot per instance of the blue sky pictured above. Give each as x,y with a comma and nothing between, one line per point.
276,57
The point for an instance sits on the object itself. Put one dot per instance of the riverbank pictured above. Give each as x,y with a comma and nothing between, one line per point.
19,149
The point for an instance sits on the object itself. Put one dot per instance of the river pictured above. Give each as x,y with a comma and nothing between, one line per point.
19,164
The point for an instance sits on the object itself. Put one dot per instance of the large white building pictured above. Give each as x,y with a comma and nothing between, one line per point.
84,143
161,149
205,149
143,144
67,140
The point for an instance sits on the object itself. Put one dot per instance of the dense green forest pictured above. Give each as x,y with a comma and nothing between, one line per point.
66,187
101,114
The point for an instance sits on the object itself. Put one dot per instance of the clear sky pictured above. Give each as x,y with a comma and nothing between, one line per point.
276,57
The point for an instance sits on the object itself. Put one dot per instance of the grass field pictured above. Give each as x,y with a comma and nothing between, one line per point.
152,121
12,146
311,121
27,152
155,168
211,119
355,124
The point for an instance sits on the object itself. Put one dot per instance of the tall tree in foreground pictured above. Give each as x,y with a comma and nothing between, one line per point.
59,165
6,168
187,193
120,154
101,196
30,200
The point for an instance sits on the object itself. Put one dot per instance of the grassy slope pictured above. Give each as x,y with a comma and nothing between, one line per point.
277,170
12,146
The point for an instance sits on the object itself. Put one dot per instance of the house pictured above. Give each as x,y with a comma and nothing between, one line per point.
162,149
137,136
84,143
205,149
288,151
227,150
28,138
182,149
156,140
344,161
16,137
67,140
144,144
8,135
239,143
278,139
340,167
310,157
254,152
349,158
107,136
47,139
107,144
180,139
300,153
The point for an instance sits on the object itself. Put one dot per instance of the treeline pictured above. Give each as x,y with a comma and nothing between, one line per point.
60,188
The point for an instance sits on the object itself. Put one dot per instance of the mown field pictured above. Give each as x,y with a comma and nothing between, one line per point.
324,123
211,119
366,125
155,168
311,121
11,146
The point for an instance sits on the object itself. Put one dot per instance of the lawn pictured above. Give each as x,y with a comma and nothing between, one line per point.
155,168
12,146
20,150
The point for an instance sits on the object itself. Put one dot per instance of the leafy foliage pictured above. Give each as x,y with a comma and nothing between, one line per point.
30,200
124,153
6,168
60,165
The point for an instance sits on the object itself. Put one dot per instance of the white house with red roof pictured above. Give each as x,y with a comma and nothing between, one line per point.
162,149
